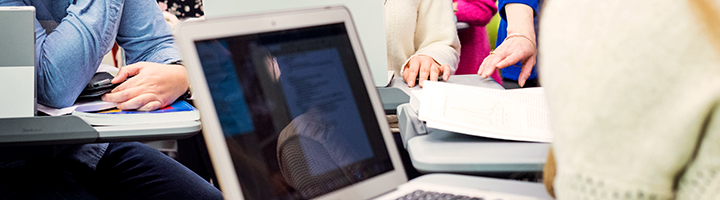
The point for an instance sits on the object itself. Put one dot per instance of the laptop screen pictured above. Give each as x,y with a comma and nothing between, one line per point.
294,111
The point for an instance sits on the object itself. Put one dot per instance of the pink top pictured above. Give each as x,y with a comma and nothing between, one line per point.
474,40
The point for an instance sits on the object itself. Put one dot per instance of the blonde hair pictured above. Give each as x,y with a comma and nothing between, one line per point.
549,173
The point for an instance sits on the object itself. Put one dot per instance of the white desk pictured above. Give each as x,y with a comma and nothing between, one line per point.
434,150
144,132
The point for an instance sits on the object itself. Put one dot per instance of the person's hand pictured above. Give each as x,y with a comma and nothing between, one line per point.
422,68
519,45
511,51
149,86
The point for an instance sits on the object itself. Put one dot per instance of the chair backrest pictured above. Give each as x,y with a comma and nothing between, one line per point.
299,157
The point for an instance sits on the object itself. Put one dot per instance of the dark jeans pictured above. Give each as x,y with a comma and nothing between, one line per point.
126,171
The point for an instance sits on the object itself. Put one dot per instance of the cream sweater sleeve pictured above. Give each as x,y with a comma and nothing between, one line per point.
436,32
420,27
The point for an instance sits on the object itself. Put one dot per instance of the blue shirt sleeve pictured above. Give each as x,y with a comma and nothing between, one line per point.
144,34
68,55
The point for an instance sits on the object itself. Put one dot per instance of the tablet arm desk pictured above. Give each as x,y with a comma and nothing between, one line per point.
68,129
433,150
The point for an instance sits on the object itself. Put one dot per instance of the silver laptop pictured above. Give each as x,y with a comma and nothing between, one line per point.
17,61
289,109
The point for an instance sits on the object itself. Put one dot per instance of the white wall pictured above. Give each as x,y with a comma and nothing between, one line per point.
367,15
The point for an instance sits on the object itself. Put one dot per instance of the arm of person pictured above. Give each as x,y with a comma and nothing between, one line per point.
475,12
437,41
144,34
519,46
69,52
149,48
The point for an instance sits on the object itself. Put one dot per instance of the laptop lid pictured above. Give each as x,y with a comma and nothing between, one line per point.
288,106
17,61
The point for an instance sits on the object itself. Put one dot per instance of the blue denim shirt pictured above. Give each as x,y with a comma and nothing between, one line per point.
71,38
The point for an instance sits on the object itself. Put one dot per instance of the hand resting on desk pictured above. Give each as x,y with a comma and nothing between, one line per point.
150,86
422,68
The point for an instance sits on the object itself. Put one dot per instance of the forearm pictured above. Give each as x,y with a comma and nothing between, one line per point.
520,19
69,55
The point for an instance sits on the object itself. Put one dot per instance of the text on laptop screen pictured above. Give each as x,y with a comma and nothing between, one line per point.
294,110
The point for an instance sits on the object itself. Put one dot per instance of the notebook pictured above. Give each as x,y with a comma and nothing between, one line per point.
17,61
289,110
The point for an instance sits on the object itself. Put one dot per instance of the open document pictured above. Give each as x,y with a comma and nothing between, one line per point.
520,114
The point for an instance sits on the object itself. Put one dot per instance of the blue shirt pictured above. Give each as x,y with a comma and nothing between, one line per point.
71,38
512,72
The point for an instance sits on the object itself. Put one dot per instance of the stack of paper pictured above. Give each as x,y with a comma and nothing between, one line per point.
88,106
519,114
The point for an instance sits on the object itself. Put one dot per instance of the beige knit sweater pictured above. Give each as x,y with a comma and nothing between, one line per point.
420,27
633,88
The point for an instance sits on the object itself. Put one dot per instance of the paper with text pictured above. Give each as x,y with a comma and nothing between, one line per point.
519,114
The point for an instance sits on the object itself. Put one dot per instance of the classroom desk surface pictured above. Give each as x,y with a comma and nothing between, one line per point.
433,150
162,131
52,130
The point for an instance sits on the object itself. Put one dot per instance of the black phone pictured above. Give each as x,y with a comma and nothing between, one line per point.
99,84
100,80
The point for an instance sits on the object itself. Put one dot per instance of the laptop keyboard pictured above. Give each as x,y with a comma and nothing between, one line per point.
429,195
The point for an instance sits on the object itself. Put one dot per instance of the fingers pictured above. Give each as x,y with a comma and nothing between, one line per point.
144,102
122,77
446,72
526,71
435,72
483,65
126,71
488,69
411,72
511,59
425,67
507,54
128,83
493,59
123,95
153,105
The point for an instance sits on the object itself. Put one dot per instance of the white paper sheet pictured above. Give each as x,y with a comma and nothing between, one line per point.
79,106
519,114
